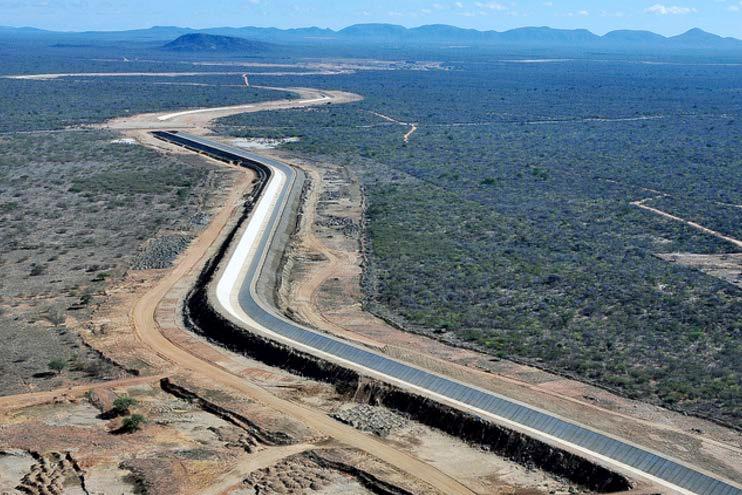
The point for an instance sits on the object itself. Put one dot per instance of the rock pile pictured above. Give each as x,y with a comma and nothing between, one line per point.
295,474
160,252
347,226
374,419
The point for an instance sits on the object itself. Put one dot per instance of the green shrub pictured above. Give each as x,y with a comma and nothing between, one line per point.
122,404
132,423
57,365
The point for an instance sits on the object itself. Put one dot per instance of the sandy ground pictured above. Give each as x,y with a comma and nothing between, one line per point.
263,459
727,267
262,143
182,448
323,290
198,120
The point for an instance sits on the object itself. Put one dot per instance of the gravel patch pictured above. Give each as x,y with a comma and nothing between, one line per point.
263,143
161,252
347,226
373,419
200,219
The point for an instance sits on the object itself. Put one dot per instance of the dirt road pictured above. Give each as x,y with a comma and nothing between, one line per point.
252,462
408,135
147,331
642,204
412,126
52,76
13,402
198,120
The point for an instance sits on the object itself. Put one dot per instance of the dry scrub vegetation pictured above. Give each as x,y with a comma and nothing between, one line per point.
506,223
77,210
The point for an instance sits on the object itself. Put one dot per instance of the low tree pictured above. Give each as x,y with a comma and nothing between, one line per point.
55,316
57,365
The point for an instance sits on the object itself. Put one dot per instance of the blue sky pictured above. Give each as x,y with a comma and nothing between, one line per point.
666,17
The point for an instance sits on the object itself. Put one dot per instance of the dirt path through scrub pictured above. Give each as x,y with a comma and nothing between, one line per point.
642,204
13,402
408,134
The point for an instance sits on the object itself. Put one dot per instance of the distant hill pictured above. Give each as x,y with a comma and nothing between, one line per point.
547,35
200,42
700,38
24,29
630,37
374,31
255,38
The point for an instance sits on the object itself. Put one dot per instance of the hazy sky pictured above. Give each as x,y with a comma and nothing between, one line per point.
667,17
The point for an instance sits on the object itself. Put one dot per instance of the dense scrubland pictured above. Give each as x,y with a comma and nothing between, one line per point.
506,223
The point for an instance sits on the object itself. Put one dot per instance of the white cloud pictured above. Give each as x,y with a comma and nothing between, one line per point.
606,13
491,6
660,9
579,13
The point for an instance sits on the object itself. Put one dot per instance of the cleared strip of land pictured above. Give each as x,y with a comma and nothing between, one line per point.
642,204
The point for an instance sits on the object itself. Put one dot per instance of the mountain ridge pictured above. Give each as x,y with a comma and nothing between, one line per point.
396,34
